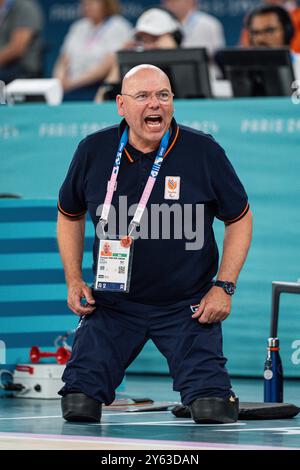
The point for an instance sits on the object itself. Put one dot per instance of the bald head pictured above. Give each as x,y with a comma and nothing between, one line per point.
143,73
146,103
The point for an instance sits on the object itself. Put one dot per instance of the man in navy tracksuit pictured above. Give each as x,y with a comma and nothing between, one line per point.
191,176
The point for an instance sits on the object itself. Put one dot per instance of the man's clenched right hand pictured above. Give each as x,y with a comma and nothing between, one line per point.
78,290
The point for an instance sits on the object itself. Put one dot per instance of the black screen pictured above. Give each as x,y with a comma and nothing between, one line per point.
187,69
257,71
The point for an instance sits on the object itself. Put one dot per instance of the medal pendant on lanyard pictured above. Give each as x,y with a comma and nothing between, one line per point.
115,254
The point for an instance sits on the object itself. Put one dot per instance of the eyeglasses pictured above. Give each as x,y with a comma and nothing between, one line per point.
268,31
163,96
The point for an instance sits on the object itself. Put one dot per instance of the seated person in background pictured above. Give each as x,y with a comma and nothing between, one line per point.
199,28
156,28
294,12
102,31
269,26
21,24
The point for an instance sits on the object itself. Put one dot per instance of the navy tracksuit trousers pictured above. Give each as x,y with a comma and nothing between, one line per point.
107,341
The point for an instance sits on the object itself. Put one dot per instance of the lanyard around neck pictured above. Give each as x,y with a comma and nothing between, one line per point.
149,185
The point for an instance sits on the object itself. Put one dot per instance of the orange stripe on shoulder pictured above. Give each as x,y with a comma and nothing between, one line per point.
67,213
228,222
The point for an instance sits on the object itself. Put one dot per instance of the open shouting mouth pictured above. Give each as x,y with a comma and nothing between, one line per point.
153,121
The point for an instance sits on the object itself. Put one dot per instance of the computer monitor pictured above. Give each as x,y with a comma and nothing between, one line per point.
187,69
257,71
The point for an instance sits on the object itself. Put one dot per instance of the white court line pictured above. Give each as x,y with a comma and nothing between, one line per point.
30,417
174,422
163,423
284,430
135,413
124,413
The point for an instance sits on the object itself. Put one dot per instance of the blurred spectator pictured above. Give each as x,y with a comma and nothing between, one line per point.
199,28
294,11
102,31
21,24
156,28
270,26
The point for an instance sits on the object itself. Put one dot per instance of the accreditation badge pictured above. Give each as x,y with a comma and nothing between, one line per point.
114,265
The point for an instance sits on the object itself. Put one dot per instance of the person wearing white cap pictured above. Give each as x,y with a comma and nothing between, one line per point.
156,28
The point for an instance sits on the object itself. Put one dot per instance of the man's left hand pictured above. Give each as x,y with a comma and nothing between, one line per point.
215,306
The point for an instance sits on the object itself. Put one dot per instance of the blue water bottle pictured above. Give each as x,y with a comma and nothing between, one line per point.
273,375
